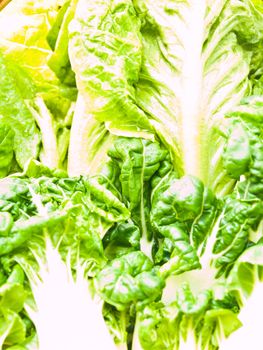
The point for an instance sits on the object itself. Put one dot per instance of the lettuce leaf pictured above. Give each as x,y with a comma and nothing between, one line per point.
204,54
15,116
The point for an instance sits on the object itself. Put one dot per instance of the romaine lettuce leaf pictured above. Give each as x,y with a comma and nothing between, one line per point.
24,27
204,52
16,116
113,28
107,35
24,43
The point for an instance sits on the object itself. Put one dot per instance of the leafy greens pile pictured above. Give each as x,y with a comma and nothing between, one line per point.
131,160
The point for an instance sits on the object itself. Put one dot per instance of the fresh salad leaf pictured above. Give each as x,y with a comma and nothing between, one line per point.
16,116
131,190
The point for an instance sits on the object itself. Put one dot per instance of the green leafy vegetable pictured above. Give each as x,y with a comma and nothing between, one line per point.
131,190
15,115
